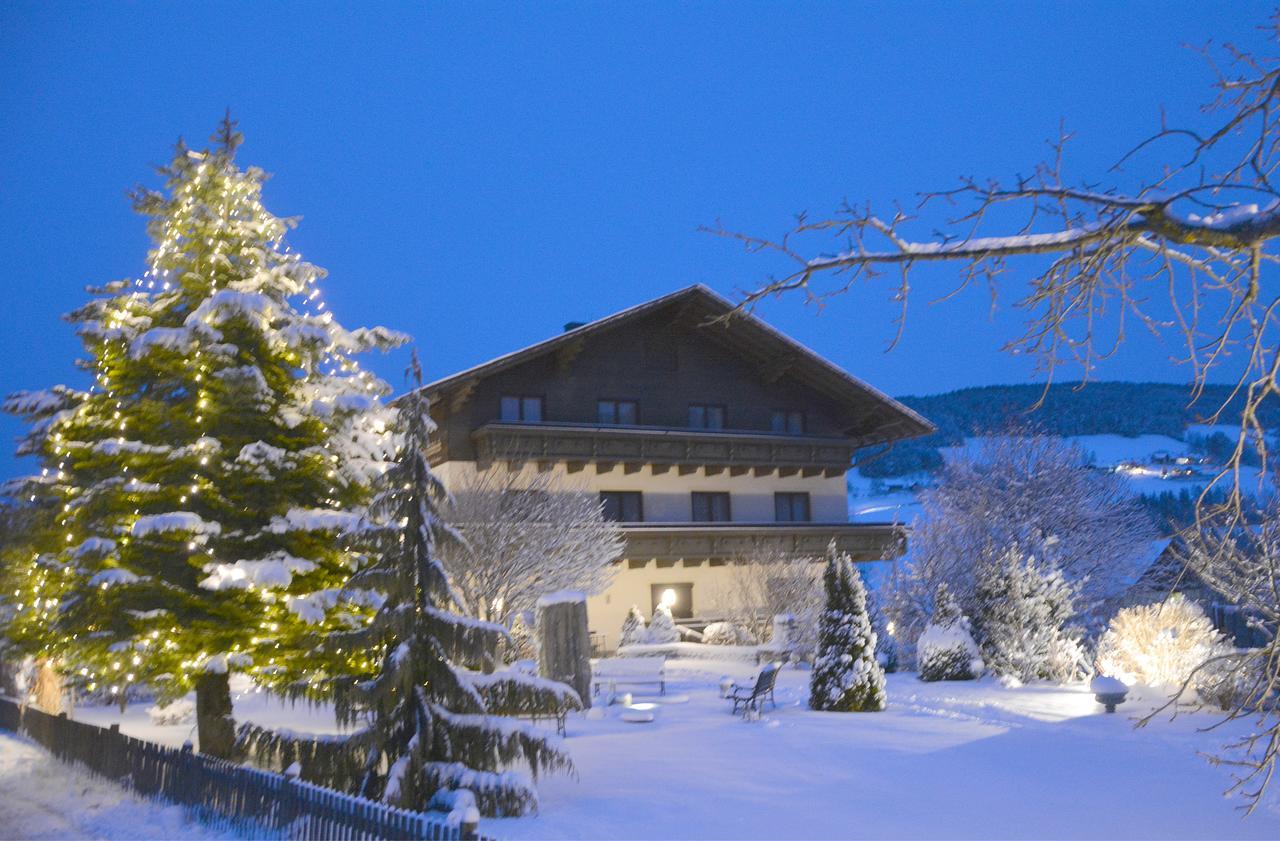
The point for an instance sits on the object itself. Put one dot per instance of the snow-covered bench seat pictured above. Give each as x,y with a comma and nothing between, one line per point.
613,672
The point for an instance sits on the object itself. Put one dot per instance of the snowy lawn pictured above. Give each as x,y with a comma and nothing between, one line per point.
41,797
955,760
946,760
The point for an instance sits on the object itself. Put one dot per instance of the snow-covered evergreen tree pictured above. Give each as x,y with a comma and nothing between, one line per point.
1024,607
946,650
203,486
662,627
633,628
433,726
524,639
845,676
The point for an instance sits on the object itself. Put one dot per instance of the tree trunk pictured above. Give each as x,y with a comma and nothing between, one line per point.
215,728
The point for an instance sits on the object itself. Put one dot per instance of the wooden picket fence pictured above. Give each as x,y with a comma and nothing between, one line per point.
224,795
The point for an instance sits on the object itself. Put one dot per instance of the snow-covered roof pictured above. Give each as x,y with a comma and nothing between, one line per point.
890,419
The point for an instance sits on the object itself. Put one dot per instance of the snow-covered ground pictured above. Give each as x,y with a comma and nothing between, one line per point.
946,760
954,760
41,797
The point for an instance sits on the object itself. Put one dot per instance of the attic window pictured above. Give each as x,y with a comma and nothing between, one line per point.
789,422
521,408
706,416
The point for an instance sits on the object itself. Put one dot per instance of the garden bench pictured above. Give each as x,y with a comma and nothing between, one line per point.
748,698
613,672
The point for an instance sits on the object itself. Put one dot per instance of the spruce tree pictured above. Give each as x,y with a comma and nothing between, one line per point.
432,726
946,650
1024,607
662,627
633,628
846,676
202,488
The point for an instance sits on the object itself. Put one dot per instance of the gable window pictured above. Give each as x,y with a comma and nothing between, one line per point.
622,412
622,506
706,416
521,408
787,421
791,507
710,507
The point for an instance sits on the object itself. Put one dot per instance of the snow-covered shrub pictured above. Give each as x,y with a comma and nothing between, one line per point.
726,633
1162,645
662,627
523,643
633,628
1024,606
846,676
946,650
181,711
1035,491
764,583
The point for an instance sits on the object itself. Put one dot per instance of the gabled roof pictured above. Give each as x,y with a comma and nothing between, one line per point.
873,416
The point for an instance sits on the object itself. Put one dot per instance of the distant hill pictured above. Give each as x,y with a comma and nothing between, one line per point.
1099,408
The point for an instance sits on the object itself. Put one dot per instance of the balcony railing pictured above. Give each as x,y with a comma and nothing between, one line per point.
696,542
663,448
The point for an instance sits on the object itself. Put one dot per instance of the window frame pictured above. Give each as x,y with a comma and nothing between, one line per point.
623,495
617,404
791,497
520,406
711,497
787,415
706,407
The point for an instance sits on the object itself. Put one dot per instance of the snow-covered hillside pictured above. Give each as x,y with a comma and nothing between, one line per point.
1150,464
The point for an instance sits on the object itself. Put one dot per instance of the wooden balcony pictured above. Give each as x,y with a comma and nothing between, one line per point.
694,543
662,449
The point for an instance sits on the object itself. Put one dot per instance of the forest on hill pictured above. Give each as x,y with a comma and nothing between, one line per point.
1097,408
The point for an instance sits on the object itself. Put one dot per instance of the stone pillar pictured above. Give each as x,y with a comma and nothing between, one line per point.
564,650
215,728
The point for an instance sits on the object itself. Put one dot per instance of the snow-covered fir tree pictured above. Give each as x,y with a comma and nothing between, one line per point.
1024,607
524,638
662,627
633,628
845,676
946,650
202,487
432,726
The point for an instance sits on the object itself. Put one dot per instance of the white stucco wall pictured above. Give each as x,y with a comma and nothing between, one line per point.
666,496
666,499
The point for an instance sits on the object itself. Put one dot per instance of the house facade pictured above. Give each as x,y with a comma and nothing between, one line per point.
708,440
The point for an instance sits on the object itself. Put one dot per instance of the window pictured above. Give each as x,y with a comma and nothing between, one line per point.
623,506
624,412
703,416
521,408
789,422
791,507
710,507
678,597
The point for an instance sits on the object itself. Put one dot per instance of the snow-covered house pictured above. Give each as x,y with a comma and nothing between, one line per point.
707,440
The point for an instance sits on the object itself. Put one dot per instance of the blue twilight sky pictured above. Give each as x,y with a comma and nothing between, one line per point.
479,174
